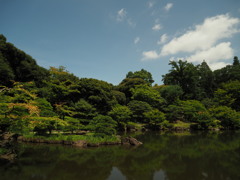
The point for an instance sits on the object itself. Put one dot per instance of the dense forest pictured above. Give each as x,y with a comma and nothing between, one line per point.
39,100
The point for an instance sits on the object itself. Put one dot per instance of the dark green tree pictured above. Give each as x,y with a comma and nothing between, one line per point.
143,74
122,115
103,125
138,109
186,76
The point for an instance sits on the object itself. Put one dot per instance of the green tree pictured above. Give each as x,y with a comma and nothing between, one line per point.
41,125
206,81
143,74
147,94
127,84
155,119
84,111
186,76
171,93
187,111
97,93
103,125
121,114
228,95
229,118
46,109
138,109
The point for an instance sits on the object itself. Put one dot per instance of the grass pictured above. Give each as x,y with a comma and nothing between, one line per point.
89,138
183,125
138,126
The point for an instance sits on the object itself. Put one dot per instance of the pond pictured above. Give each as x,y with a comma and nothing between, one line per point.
170,156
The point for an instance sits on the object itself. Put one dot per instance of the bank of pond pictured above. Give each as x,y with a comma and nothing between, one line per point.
163,155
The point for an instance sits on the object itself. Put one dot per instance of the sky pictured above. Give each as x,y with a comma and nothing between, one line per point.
105,39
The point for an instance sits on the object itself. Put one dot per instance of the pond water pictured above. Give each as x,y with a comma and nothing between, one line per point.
170,156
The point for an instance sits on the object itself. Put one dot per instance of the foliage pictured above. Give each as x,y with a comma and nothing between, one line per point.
84,110
31,97
143,74
185,75
147,94
228,95
229,118
155,119
171,93
138,109
97,93
103,125
41,125
127,84
186,111
121,114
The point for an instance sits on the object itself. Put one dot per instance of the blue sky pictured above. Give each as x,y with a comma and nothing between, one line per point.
105,39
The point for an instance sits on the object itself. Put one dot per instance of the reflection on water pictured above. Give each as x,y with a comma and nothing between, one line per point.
198,156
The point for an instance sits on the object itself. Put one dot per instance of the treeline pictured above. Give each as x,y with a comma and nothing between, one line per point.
33,98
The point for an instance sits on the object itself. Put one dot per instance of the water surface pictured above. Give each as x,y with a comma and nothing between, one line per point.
170,156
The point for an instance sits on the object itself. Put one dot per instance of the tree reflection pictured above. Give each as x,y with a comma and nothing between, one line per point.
165,156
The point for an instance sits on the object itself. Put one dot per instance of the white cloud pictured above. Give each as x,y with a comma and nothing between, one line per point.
163,39
121,14
221,51
168,6
151,4
136,40
131,23
122,17
203,36
149,55
157,27
217,65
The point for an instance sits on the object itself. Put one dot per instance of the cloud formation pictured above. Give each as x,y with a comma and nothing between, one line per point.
122,17
207,41
149,55
203,36
121,14
157,27
163,39
168,6
151,4
217,53
136,40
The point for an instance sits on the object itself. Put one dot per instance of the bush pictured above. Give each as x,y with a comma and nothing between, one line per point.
229,118
103,125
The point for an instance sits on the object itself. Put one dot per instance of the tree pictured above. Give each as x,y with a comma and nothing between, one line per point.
171,93
120,97
97,93
127,84
103,125
147,94
41,125
236,61
187,111
206,81
46,109
228,73
121,114
155,119
143,74
229,118
84,111
228,95
138,109
185,75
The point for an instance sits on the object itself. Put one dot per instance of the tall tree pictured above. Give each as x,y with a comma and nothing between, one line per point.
206,80
143,74
185,75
